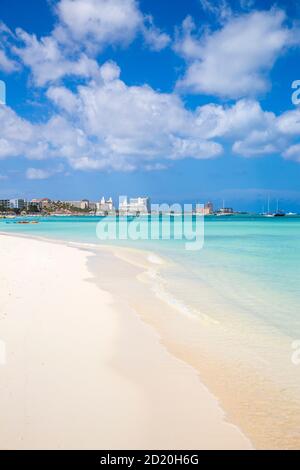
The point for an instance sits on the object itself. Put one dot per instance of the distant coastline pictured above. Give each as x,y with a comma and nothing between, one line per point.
127,207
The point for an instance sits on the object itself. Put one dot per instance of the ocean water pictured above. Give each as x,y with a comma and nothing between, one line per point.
245,260
241,291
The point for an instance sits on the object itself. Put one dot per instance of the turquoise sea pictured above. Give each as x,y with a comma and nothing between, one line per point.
241,292
240,253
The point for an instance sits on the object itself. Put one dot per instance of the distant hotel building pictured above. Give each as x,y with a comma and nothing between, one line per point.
140,205
208,209
84,204
226,210
40,204
105,206
12,204
19,204
4,204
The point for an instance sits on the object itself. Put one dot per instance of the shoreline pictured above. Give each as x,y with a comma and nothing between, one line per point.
167,397
252,400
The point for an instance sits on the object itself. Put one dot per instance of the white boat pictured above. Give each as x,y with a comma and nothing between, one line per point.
268,214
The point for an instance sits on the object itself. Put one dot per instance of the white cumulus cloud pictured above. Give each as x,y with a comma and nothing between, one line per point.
43,174
7,64
234,60
107,124
37,174
47,60
100,22
293,153
84,29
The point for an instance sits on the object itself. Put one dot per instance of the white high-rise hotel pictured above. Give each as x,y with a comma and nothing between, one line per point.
105,205
139,205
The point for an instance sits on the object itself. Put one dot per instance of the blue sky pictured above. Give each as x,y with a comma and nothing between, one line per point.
184,103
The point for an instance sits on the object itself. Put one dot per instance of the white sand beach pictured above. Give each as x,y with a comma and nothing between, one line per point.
79,368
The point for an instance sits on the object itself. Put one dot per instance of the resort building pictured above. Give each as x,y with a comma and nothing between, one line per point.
208,208
45,202
40,203
35,203
226,210
4,205
140,205
105,206
33,206
84,204
12,204
18,204
92,206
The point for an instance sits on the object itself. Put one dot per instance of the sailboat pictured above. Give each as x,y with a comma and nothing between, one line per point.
268,214
279,213
223,212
